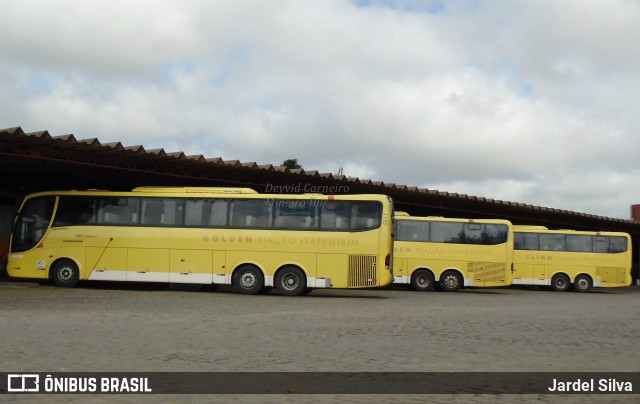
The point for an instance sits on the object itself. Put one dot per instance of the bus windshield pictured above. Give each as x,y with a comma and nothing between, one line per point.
32,223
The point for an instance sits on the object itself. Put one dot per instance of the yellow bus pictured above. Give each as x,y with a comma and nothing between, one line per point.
230,236
449,254
566,258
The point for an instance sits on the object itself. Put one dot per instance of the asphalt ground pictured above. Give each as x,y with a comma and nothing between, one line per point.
120,327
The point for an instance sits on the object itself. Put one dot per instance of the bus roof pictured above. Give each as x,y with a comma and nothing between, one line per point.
528,227
450,219
195,190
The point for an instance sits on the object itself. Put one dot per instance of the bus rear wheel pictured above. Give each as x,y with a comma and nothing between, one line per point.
65,273
422,280
450,281
560,283
291,281
582,283
248,280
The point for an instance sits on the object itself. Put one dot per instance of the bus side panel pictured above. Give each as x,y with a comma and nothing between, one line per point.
147,265
335,268
613,276
525,272
489,273
218,268
106,264
400,273
191,266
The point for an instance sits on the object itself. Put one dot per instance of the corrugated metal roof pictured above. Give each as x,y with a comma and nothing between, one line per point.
93,145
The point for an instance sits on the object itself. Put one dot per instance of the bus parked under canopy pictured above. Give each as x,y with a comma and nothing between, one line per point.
452,253
231,236
566,258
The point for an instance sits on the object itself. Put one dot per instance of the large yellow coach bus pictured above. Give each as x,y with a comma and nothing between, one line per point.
566,258
452,253
231,236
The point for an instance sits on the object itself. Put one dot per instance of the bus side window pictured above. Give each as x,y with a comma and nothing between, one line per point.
334,215
447,232
552,242
495,234
205,212
579,243
473,233
75,211
518,241
118,211
294,214
617,244
219,210
365,215
251,213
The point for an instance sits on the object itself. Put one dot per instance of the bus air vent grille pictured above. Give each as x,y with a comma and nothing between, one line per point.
362,270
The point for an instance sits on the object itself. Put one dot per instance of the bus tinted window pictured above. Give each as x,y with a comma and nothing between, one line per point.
334,215
294,214
525,241
118,211
73,211
451,232
473,233
206,212
162,212
495,234
250,213
365,215
412,230
551,242
617,244
447,232
579,243
570,242
194,214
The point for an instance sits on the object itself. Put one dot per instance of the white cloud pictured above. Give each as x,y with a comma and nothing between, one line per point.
533,102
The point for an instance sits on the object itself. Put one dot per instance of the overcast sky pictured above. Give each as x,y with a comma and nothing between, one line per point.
528,101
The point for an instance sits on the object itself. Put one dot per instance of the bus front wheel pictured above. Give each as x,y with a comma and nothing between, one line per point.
248,280
291,281
422,280
582,283
65,274
560,283
450,281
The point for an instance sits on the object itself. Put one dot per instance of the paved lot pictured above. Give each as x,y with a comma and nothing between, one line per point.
131,327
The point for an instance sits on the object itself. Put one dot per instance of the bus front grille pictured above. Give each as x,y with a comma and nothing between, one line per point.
362,270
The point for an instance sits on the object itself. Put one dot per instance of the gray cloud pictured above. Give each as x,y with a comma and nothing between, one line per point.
527,101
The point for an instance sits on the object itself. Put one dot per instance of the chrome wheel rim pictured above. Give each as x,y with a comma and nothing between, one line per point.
248,280
290,281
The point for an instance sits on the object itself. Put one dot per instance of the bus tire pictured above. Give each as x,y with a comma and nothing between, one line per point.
248,280
450,281
422,280
65,273
291,281
560,283
582,283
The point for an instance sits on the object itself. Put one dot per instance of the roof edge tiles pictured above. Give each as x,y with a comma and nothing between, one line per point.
69,140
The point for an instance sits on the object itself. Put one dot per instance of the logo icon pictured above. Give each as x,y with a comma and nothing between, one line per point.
23,383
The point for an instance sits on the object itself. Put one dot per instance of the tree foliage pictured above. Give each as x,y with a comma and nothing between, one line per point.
291,164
